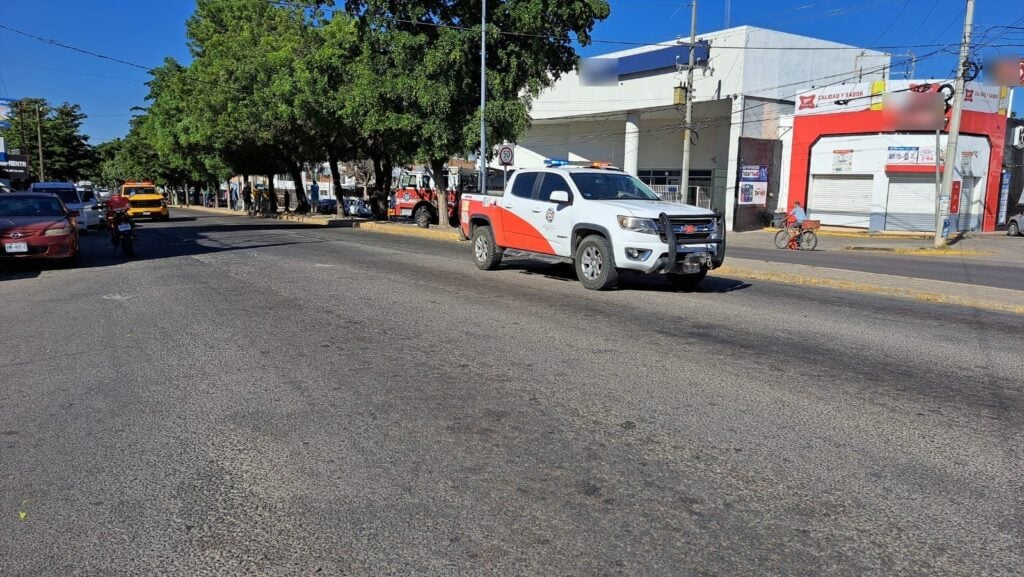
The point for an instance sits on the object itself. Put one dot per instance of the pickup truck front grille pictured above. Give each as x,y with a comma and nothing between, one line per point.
145,204
690,228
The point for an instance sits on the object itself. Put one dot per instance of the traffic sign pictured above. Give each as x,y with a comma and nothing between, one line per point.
506,155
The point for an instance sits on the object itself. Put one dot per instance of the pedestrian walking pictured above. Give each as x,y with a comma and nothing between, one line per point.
234,197
247,197
314,197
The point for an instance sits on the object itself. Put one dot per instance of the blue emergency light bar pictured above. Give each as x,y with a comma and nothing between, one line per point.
553,162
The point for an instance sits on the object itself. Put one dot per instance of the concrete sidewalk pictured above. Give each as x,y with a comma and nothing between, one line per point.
308,219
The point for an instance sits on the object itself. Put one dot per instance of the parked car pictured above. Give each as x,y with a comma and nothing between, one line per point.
358,207
326,206
72,199
37,226
1015,227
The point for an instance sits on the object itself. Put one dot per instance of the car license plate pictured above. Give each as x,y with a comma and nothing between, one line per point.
124,227
406,212
14,247
146,213
691,267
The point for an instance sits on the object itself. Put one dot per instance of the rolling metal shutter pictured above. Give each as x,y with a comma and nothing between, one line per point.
911,203
969,210
840,200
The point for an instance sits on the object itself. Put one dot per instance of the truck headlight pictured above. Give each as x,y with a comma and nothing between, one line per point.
634,224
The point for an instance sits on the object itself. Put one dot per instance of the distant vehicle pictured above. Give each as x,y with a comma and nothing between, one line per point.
415,196
102,193
326,206
37,226
145,200
71,198
358,207
1016,225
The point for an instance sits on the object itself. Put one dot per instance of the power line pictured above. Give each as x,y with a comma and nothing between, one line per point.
76,49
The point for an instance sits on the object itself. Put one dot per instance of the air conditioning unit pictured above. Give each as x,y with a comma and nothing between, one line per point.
1018,137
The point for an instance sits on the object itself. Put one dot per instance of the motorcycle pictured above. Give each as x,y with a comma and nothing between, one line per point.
120,225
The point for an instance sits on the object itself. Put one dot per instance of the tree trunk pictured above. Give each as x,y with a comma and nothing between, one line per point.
300,191
380,210
272,194
332,159
441,187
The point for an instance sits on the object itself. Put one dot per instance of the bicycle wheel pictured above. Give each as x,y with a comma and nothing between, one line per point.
782,238
808,240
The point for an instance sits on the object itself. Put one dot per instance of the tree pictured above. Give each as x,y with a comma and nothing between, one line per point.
436,56
67,155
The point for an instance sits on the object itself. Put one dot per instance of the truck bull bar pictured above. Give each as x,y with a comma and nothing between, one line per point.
713,261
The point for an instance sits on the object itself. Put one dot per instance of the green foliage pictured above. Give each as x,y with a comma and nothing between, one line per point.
67,155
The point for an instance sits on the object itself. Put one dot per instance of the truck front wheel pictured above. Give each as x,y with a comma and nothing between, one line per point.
486,253
595,263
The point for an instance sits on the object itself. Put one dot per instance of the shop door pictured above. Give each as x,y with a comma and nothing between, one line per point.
970,206
911,203
840,200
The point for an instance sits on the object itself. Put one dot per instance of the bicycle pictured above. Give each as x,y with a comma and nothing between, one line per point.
807,239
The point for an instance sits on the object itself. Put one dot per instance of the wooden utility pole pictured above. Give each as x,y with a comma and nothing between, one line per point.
39,137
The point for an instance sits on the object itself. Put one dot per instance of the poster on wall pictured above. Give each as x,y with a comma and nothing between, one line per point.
1004,197
842,161
967,162
753,184
926,155
902,155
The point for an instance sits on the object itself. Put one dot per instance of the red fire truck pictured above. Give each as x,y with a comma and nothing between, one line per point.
415,195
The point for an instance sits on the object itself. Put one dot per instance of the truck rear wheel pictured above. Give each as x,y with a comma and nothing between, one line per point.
595,263
423,217
486,254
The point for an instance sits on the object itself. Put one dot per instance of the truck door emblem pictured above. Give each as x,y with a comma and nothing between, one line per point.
550,215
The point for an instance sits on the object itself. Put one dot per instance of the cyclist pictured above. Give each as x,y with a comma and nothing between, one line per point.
795,218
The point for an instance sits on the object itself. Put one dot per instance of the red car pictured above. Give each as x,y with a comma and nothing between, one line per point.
37,226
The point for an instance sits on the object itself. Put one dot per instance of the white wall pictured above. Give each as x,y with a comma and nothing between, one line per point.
869,158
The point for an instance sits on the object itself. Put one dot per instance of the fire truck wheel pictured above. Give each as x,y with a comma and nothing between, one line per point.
595,263
423,217
486,254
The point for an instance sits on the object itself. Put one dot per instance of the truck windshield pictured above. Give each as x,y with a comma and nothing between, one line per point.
612,186
132,191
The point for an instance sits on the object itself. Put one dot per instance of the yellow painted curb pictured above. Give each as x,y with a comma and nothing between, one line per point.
786,278
410,230
918,251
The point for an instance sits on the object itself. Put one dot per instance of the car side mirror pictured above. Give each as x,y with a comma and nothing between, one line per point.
559,197
73,214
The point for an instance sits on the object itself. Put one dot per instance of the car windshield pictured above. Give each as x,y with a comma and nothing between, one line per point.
612,186
132,191
68,195
30,206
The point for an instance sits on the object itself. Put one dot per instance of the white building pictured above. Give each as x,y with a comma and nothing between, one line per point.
751,80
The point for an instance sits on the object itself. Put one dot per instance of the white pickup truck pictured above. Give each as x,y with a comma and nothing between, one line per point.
601,220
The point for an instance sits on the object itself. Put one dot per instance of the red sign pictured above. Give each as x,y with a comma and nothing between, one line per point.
954,198
807,101
968,96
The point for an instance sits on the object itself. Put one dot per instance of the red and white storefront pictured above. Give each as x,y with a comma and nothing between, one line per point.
850,168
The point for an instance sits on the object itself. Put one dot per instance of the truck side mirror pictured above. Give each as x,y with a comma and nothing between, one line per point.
559,197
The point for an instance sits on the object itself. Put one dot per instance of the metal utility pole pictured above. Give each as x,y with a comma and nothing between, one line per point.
684,182
483,99
39,141
954,120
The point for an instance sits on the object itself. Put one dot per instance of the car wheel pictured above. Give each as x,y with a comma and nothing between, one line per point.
71,261
423,217
486,254
595,263
128,246
687,281
1013,229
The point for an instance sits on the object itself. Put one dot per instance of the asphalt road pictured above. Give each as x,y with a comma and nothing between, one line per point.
252,398
967,270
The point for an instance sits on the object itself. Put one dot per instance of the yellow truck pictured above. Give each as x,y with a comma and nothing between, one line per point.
145,201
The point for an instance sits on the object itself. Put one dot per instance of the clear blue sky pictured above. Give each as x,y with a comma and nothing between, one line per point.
147,31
